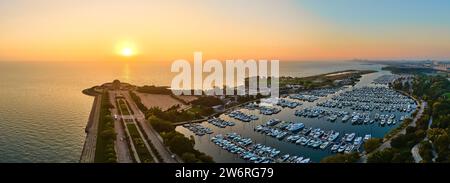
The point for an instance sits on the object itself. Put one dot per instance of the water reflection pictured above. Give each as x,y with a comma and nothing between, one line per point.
126,73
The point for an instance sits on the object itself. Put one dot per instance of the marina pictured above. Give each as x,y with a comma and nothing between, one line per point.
324,122
198,129
242,116
317,138
254,153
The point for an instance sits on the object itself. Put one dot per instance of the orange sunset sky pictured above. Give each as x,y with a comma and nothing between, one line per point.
104,30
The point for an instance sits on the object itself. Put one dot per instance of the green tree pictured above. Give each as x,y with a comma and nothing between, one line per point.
372,144
384,156
434,133
425,151
342,158
189,157
161,125
108,134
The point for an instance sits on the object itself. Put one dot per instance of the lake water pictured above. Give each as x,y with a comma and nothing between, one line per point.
43,112
246,130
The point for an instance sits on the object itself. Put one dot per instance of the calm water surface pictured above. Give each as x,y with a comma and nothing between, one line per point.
43,112
204,144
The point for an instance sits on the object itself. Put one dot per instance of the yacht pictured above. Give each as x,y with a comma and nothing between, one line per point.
324,145
345,118
295,127
349,149
334,148
306,161
273,122
305,142
333,136
367,137
389,121
342,148
358,141
350,137
382,122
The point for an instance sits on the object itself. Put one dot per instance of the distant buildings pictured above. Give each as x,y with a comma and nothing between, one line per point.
438,65
442,66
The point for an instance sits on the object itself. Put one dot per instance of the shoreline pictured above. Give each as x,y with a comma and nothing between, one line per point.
88,152
90,143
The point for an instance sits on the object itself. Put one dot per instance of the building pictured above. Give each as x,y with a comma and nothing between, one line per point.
442,66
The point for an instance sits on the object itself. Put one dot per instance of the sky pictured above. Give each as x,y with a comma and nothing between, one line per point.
99,30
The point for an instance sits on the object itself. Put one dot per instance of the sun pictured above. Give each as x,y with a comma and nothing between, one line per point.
127,52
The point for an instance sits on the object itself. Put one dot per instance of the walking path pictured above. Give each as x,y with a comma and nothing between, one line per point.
88,153
121,145
415,149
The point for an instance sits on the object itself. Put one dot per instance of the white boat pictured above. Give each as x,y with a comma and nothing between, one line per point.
357,141
367,137
334,148
333,136
345,118
324,145
349,149
350,137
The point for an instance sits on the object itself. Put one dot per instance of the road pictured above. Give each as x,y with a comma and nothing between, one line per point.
121,145
131,120
154,137
387,144
415,150
88,153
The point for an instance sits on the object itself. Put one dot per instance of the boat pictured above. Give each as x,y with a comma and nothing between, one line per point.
345,118
348,149
389,121
284,157
317,143
273,122
306,131
324,145
334,148
366,120
367,137
301,140
294,128
350,137
333,136
306,161
298,160
281,135
311,142
357,141
342,148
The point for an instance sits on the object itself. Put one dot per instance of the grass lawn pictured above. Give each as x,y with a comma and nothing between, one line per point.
123,107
